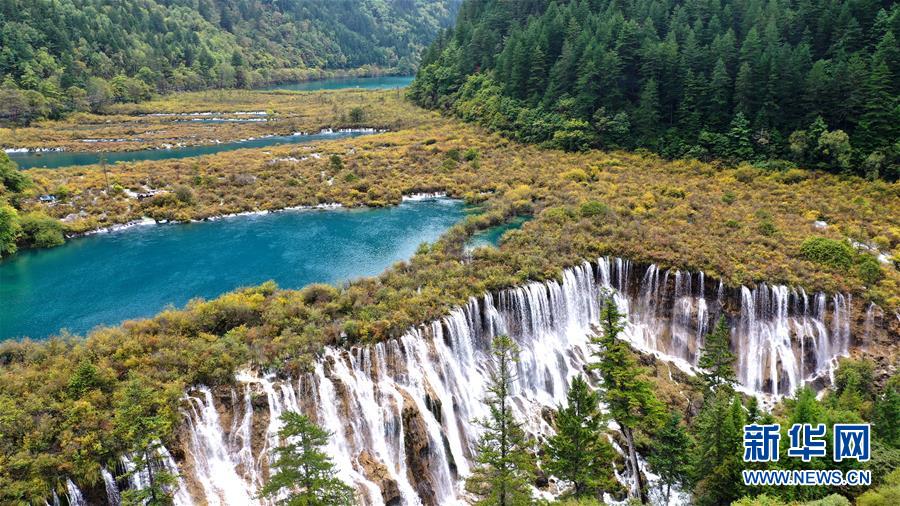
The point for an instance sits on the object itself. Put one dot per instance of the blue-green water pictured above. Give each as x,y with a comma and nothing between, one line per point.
492,236
105,279
57,159
340,83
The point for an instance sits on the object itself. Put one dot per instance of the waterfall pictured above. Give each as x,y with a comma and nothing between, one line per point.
162,461
214,466
73,494
402,413
113,498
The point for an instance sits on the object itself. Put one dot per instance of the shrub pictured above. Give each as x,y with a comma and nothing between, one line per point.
869,270
184,194
830,252
729,197
41,231
9,229
577,175
746,174
454,154
767,228
593,208
792,176
11,178
357,115
471,154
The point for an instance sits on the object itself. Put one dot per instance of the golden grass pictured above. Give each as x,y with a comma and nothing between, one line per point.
287,112
741,224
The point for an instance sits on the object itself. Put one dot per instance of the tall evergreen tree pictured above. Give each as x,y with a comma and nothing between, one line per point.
504,464
716,358
646,116
579,453
669,455
717,457
626,392
302,474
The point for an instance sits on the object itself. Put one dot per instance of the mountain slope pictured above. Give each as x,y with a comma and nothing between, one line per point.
56,47
811,80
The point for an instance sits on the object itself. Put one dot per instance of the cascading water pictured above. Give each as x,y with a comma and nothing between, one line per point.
113,497
402,412
73,494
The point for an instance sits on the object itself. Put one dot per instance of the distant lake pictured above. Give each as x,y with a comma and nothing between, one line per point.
339,83
107,278
57,159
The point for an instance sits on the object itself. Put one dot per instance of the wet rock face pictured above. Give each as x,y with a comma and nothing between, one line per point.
378,473
418,451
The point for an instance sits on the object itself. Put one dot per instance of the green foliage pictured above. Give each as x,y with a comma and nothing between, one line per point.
717,456
9,229
11,178
869,269
69,55
335,163
593,208
887,494
625,391
731,81
887,412
40,230
830,252
579,452
141,419
357,115
669,456
504,465
302,474
716,358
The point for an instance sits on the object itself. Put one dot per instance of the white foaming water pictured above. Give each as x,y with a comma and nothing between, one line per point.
402,412
113,498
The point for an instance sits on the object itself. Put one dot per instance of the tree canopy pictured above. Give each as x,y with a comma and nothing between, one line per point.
63,55
813,81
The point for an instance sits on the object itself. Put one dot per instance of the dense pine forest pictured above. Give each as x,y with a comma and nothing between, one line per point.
71,55
814,82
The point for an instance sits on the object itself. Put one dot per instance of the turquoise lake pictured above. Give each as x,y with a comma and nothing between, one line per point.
57,159
341,83
107,278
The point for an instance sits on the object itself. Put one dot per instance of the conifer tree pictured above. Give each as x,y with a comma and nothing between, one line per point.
579,453
669,456
141,419
504,465
302,474
625,391
717,457
716,358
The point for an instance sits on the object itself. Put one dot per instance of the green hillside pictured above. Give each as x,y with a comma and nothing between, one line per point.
63,55
812,81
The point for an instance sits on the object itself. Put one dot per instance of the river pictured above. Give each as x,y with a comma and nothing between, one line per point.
107,278
57,159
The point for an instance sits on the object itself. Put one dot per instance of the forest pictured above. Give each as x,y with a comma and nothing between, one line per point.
77,55
778,83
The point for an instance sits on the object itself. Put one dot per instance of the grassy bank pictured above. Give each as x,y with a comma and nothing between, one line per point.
168,121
